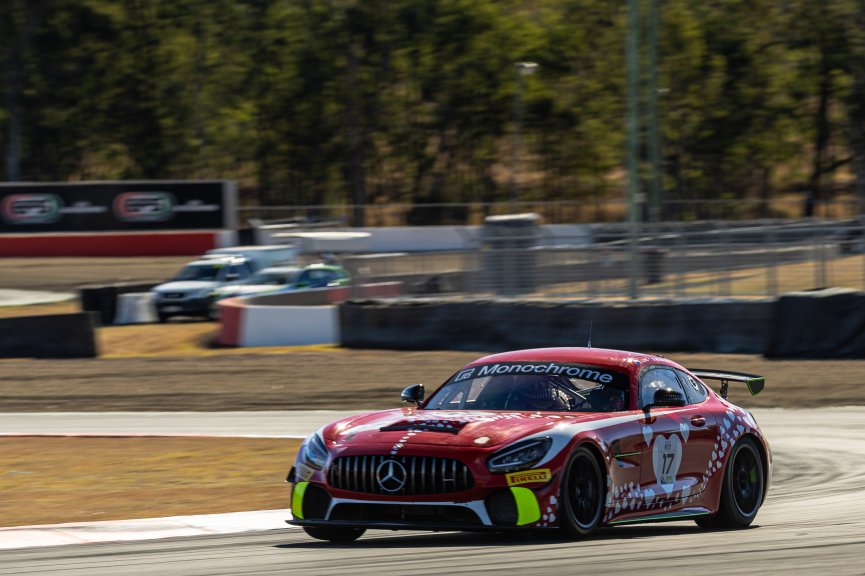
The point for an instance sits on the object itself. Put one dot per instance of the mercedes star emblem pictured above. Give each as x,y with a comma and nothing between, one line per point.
391,476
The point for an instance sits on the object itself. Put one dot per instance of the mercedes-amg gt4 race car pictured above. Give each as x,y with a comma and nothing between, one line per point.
565,439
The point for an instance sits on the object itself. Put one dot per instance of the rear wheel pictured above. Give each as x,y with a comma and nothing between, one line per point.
742,489
582,494
334,534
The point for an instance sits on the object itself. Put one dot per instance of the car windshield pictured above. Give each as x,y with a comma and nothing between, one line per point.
271,278
533,386
206,272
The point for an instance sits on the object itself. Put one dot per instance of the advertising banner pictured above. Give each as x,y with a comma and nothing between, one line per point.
117,206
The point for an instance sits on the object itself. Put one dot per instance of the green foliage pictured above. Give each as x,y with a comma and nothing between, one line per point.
367,101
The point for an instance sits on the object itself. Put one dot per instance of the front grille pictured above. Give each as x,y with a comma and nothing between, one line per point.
422,475
437,515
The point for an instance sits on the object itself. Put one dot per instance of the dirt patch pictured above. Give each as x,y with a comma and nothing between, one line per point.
66,307
69,274
121,478
297,379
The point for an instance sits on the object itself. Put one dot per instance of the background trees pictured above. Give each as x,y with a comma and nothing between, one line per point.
374,101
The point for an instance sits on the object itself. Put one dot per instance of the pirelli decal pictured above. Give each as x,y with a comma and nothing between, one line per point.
528,477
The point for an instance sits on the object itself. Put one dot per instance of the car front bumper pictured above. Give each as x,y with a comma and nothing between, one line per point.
187,307
501,508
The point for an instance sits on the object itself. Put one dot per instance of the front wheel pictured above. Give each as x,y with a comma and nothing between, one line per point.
742,489
582,494
213,310
334,534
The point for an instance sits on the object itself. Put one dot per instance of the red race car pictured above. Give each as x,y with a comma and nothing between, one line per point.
565,439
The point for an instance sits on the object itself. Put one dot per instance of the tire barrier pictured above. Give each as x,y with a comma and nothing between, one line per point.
819,324
102,299
724,327
49,336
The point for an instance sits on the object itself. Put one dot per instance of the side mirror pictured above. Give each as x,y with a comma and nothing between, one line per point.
413,394
665,397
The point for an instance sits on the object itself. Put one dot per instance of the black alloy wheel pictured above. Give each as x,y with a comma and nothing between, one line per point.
742,489
582,494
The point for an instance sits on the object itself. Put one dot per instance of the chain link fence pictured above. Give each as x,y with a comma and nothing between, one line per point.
670,260
589,210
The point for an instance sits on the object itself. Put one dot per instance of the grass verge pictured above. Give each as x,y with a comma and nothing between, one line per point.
58,479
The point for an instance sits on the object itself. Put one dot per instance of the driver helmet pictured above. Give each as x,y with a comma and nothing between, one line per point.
542,395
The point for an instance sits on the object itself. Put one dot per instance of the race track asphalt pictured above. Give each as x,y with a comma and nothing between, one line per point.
813,522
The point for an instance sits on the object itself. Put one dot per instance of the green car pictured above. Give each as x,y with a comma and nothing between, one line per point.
284,279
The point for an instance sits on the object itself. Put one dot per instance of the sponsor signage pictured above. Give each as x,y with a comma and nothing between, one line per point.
529,477
117,206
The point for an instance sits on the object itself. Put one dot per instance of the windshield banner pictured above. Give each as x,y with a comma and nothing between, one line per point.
578,371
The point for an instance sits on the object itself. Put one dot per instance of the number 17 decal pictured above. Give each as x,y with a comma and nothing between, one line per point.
666,458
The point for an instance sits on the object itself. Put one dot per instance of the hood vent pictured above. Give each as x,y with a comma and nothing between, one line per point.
448,426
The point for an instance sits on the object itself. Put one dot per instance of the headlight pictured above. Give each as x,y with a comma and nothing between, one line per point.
519,456
316,453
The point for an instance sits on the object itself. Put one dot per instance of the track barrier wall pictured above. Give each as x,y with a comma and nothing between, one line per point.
49,336
108,244
822,324
726,327
819,324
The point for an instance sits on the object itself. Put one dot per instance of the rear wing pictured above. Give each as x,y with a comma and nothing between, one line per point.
754,383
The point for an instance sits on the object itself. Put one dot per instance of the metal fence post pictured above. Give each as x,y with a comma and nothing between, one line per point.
772,260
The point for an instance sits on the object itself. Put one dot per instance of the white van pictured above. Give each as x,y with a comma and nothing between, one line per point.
260,256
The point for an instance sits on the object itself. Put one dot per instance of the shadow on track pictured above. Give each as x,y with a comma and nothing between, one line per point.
383,539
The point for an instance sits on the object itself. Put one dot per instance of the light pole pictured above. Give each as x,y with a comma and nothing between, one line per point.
632,60
522,69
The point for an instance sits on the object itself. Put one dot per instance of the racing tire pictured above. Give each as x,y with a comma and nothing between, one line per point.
742,488
334,534
582,495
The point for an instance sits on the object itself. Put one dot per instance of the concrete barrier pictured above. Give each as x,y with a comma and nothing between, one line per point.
48,336
290,318
290,326
135,308
102,298
725,327
244,324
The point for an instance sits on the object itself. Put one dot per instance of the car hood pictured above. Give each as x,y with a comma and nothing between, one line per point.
185,286
446,428
246,289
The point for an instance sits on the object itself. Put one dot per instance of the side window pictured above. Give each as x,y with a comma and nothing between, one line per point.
655,379
695,391
318,278
329,277
243,271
